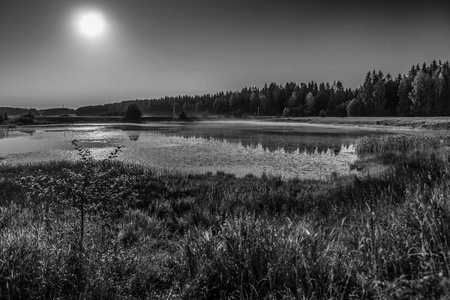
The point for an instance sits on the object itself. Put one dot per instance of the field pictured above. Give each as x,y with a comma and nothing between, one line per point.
106,230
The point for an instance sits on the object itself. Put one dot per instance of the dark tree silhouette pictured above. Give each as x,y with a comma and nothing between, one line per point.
133,114
424,90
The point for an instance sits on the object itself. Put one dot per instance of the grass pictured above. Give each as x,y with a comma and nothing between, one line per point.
218,236
400,143
411,122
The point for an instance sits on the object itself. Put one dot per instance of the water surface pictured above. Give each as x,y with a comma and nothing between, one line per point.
285,149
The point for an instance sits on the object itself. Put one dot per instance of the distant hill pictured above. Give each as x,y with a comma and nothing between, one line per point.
57,111
14,111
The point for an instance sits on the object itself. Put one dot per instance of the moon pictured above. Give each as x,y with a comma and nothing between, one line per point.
91,24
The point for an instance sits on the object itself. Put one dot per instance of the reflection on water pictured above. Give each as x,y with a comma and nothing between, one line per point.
271,135
14,132
133,135
4,133
288,151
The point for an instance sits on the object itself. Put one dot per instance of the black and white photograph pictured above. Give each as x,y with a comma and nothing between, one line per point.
224,149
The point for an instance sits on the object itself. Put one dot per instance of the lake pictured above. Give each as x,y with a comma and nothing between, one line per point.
239,147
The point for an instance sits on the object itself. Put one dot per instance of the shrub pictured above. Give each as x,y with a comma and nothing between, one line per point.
237,114
97,191
133,114
183,117
26,119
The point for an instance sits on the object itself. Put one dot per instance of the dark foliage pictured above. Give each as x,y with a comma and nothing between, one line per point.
26,119
56,111
424,92
132,113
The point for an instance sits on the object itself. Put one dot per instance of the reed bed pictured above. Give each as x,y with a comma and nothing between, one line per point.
400,142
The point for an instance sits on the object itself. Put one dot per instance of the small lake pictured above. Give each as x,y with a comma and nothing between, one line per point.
241,147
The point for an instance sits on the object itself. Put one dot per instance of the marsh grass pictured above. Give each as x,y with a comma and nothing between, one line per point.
399,142
221,237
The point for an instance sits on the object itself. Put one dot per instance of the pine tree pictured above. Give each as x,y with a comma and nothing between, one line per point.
366,94
379,99
404,103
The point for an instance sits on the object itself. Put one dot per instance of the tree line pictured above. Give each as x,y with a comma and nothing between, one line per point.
423,91
14,111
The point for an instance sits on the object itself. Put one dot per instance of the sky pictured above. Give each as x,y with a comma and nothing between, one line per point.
149,49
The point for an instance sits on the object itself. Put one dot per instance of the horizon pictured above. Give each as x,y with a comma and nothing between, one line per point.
52,55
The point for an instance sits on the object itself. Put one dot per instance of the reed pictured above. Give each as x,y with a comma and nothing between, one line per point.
400,142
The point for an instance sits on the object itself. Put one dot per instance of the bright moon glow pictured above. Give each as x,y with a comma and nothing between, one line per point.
91,24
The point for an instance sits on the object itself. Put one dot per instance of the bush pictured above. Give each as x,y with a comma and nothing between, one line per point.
183,116
133,114
26,119
322,113
237,114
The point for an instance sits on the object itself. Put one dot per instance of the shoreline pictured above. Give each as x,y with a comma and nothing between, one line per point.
381,123
433,123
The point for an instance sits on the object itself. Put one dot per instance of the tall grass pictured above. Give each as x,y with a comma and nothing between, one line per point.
399,142
221,237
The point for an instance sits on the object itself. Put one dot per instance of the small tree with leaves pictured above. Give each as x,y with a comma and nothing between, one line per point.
97,189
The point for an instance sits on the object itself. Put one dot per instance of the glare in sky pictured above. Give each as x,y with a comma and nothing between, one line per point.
91,24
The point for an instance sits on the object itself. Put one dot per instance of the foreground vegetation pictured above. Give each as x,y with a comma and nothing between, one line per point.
103,230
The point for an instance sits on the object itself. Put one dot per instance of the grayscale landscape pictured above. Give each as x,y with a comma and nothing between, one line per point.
224,149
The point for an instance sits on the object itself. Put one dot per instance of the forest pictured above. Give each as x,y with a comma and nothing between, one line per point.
423,91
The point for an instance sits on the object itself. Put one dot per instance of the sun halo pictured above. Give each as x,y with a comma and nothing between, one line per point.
91,24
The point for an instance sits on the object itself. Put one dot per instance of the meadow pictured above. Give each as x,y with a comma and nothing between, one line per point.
107,230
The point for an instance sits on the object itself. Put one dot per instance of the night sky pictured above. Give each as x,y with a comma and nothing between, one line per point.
154,48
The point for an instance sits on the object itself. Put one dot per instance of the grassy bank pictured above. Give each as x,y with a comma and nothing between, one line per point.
102,230
407,122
